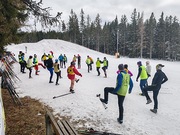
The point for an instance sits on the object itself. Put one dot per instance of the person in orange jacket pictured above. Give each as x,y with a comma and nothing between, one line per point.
72,71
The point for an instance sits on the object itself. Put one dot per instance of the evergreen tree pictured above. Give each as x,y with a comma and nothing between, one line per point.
97,24
160,38
82,26
14,13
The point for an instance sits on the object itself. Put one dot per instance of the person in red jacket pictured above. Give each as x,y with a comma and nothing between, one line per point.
72,71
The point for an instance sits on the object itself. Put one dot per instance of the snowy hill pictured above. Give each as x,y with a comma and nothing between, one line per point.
84,105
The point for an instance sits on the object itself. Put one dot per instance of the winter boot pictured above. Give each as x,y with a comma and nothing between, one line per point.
103,100
149,101
72,91
153,110
120,121
77,80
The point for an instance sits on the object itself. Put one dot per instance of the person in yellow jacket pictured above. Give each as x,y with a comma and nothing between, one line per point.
88,62
57,71
142,73
98,66
105,66
44,58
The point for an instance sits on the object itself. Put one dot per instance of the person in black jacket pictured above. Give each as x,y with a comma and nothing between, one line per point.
159,78
49,65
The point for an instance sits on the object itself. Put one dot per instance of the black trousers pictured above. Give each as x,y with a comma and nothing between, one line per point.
155,90
57,77
97,68
108,90
121,108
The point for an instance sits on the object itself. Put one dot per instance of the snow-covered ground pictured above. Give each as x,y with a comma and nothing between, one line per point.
84,105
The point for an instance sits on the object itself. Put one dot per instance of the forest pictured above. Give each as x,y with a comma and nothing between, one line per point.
131,37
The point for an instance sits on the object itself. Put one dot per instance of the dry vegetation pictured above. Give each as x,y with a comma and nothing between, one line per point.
27,119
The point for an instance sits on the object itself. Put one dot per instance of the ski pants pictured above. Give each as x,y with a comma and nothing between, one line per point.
155,90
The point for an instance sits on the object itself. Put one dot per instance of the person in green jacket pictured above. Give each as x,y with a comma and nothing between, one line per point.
88,62
142,73
98,66
105,66
123,83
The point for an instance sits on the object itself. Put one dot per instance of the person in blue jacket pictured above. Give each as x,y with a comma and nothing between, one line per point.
158,79
123,82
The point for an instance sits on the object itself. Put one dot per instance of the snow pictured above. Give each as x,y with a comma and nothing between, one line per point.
84,105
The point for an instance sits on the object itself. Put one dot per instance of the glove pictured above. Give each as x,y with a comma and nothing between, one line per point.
80,75
136,79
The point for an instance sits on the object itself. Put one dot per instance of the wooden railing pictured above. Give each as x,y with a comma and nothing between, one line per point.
59,127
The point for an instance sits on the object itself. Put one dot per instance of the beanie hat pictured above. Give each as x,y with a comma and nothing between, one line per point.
56,60
125,66
72,63
120,67
139,63
159,66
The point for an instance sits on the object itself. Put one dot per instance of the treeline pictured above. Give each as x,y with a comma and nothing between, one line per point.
150,38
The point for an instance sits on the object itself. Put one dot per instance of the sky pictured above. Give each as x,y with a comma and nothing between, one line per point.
108,9
84,105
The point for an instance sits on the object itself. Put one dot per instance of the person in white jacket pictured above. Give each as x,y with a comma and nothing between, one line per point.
30,65
148,68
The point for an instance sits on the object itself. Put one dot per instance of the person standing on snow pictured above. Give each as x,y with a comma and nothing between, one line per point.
98,66
142,73
44,58
148,68
88,62
30,65
64,60
49,65
158,79
71,72
57,71
123,81
105,67
79,61
35,62
20,60
61,60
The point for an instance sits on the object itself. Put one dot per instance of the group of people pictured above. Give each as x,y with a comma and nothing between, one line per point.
29,64
124,83
104,68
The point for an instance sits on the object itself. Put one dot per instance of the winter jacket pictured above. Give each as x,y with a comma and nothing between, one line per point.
123,81
98,63
30,63
49,63
142,73
72,71
56,67
159,78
